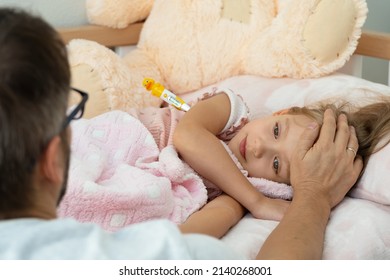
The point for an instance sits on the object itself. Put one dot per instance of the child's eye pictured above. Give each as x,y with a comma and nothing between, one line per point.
276,130
275,165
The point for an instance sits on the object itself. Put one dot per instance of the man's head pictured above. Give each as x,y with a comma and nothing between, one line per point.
34,89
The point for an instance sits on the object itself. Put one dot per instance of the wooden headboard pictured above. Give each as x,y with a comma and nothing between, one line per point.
372,44
106,36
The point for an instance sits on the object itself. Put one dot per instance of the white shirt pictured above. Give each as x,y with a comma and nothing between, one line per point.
30,238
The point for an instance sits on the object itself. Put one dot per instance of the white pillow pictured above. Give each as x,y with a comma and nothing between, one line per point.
374,184
265,95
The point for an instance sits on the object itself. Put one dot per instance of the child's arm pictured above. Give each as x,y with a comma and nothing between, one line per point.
196,141
215,218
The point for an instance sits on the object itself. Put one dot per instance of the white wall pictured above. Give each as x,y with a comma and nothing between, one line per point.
59,13
377,70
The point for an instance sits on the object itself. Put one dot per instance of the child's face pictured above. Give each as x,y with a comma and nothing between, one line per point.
264,146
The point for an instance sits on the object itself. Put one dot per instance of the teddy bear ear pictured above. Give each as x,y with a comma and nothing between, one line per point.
311,39
332,30
119,13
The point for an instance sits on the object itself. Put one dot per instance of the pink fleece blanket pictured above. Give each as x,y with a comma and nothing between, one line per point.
118,176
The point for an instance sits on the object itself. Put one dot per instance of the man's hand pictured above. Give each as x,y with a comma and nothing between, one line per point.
326,168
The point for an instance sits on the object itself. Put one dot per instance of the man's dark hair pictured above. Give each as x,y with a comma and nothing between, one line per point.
34,89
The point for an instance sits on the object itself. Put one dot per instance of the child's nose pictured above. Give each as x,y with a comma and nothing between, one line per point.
259,148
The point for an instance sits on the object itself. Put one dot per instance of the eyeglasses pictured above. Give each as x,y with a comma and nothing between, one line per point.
78,110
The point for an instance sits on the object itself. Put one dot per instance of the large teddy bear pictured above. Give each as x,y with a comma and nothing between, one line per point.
188,44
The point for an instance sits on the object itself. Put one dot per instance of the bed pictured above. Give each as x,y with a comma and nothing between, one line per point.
359,227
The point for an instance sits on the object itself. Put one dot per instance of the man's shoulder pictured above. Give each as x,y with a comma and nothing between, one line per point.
69,239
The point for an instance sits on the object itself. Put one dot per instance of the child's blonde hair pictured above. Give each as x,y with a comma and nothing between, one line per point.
371,122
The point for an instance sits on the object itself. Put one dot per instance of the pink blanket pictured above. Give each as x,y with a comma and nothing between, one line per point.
118,176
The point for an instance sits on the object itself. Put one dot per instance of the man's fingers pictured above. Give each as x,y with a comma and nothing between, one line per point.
328,129
358,165
307,139
353,142
343,132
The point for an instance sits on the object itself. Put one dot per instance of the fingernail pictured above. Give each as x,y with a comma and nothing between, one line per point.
312,125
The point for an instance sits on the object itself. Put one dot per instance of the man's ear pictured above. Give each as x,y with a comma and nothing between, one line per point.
51,164
280,112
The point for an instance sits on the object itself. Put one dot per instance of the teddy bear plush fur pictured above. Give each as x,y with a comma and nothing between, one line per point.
188,44
117,13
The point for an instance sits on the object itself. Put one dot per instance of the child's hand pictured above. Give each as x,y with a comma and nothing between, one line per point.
215,218
269,209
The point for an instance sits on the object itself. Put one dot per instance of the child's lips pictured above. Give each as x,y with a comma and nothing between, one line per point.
243,148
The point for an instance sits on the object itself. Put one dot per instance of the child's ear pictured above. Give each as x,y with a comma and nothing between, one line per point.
281,112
